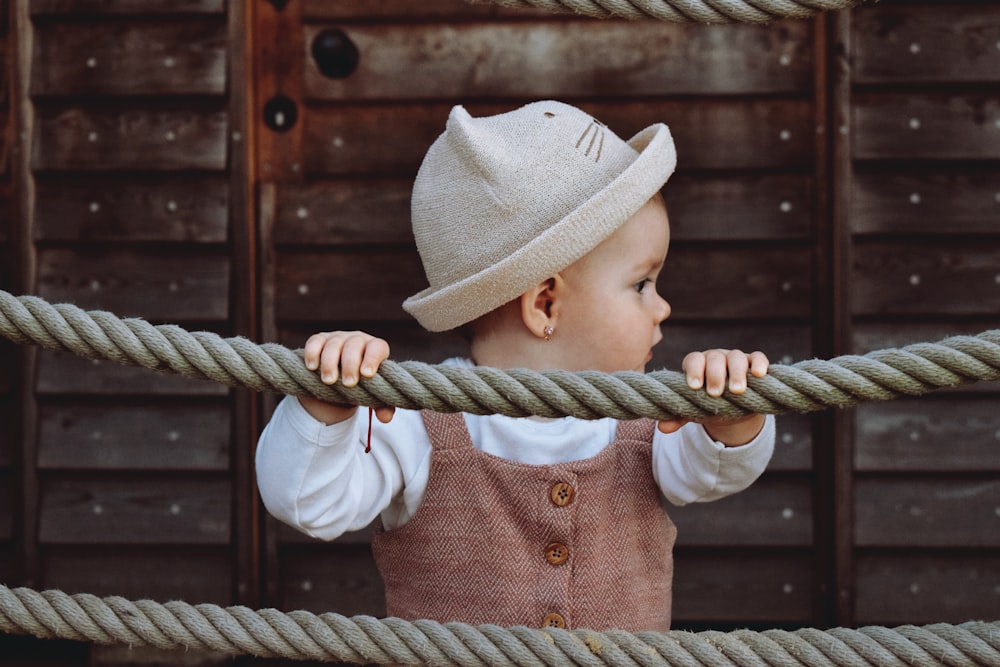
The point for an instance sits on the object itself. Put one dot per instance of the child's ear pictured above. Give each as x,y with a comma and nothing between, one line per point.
540,305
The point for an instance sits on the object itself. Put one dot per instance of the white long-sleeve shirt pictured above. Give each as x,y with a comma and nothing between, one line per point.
318,479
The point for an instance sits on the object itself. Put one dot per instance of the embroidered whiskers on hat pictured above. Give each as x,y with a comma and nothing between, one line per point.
502,202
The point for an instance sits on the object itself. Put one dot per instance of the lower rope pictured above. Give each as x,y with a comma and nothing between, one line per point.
679,11
805,386
269,633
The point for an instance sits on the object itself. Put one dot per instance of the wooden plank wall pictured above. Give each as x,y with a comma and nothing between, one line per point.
921,236
838,190
134,483
743,108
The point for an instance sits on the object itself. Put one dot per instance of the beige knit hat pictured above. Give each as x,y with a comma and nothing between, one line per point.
502,202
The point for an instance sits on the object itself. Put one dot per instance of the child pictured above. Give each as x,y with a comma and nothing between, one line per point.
543,234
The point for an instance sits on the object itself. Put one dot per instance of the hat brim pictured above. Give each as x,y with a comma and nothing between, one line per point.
570,239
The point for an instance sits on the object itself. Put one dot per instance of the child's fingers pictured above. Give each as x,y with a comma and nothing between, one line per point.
759,363
694,369
376,351
671,425
385,415
716,371
313,349
738,364
351,354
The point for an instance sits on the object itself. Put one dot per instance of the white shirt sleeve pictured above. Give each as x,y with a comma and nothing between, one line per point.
691,467
318,479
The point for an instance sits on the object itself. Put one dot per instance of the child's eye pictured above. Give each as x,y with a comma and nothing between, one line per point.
641,285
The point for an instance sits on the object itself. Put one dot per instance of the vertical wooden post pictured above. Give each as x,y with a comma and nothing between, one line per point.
24,259
279,112
824,444
242,227
843,425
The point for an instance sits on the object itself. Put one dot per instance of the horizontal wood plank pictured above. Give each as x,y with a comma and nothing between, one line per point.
131,139
193,574
742,587
134,437
405,9
67,373
775,511
928,127
925,587
377,210
95,208
954,278
164,57
331,286
926,202
134,511
730,282
133,7
153,284
568,59
709,134
925,512
938,43
941,433
331,578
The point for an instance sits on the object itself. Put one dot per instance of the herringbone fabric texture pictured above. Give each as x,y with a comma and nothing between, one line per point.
476,549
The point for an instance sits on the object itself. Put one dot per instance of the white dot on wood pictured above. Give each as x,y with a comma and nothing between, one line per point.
303,289
338,142
914,48
307,585
787,438
94,207
786,206
785,135
98,509
914,436
787,359
168,62
95,285
787,513
170,136
173,436
92,137
915,198
786,286
914,279
171,206
914,588
302,212
91,62
914,123
788,589
785,59
175,509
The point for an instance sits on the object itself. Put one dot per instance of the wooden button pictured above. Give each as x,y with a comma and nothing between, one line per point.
561,494
553,620
556,553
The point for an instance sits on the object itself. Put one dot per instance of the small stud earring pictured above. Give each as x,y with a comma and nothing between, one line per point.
548,333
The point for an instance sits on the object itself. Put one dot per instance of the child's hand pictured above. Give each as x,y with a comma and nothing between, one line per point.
347,356
712,370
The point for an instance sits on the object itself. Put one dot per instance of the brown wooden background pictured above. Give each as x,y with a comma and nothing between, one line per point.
838,191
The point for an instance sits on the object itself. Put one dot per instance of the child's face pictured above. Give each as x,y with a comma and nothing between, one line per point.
610,319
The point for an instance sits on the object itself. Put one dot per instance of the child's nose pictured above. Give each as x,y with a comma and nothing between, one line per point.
664,309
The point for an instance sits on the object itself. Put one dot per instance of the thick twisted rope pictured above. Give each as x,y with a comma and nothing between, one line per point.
270,633
801,387
700,11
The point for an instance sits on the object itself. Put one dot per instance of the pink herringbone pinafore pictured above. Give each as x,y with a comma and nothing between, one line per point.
579,544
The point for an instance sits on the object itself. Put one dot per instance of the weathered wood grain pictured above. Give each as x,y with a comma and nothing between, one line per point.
193,574
353,587
183,207
710,134
144,436
936,202
776,511
927,511
906,278
184,284
926,587
127,7
410,11
741,586
940,434
135,511
926,126
101,139
165,57
935,43
569,59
